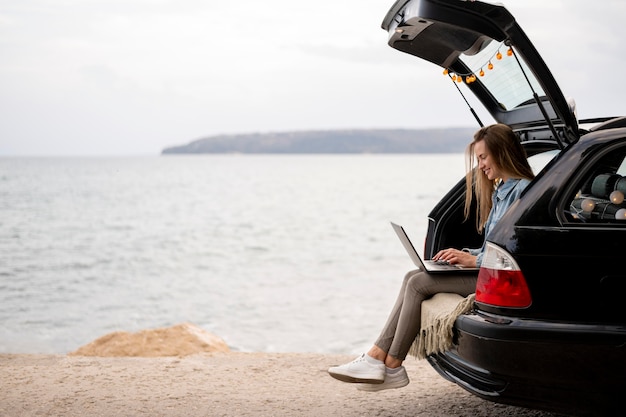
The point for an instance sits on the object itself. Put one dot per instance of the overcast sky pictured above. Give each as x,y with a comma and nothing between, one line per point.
130,77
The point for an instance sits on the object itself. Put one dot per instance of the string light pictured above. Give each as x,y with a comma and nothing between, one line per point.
471,76
588,205
617,197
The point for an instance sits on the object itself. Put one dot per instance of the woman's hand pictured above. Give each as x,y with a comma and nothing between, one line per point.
456,257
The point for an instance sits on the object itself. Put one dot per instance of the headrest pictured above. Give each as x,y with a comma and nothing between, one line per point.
604,184
620,185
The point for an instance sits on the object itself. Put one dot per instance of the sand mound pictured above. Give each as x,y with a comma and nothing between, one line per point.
179,340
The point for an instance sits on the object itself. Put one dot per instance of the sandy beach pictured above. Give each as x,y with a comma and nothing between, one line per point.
221,384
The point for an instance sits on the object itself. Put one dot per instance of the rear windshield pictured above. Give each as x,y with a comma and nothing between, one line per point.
505,80
539,161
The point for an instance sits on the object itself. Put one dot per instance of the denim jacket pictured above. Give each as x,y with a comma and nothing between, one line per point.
506,193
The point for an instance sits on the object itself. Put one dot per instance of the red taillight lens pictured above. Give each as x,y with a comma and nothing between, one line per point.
500,281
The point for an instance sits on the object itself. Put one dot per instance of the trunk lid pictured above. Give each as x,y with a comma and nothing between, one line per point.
481,46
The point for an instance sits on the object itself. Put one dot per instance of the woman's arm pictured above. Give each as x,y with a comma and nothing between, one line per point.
456,257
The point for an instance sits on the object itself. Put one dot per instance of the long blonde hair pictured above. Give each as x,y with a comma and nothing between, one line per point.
510,157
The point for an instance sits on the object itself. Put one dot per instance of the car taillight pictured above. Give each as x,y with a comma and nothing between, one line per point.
500,281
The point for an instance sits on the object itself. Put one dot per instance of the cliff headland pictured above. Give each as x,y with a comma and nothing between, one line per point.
444,140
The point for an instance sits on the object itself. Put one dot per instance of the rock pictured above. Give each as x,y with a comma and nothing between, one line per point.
179,340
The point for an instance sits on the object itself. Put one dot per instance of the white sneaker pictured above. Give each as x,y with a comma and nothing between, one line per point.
396,380
359,370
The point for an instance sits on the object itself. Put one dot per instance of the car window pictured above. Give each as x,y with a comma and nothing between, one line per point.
601,193
539,161
622,169
502,75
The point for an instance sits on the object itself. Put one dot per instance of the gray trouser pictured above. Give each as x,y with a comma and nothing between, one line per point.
404,322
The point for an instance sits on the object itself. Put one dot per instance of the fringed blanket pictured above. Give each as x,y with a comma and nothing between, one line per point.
438,316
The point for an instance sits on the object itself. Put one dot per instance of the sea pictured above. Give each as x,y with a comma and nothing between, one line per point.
272,253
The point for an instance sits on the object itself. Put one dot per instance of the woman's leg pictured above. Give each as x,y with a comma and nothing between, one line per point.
370,368
383,343
404,321
381,367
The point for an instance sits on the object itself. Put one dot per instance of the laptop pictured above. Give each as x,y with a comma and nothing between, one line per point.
429,266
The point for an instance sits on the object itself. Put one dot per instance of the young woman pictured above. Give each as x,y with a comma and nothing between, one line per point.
498,171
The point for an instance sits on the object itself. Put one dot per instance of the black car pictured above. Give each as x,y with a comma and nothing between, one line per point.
548,327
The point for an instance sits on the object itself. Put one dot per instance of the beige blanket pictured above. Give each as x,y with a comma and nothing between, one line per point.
438,316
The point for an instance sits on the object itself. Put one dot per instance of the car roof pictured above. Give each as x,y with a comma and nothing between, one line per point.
481,45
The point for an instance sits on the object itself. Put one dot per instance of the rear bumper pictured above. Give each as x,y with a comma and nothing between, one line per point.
560,367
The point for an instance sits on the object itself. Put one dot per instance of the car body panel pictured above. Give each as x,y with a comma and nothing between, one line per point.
554,363
566,351
570,343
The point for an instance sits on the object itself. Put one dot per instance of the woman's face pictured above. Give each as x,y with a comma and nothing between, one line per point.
486,163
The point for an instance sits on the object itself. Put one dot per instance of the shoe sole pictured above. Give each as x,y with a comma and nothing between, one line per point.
348,378
374,388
